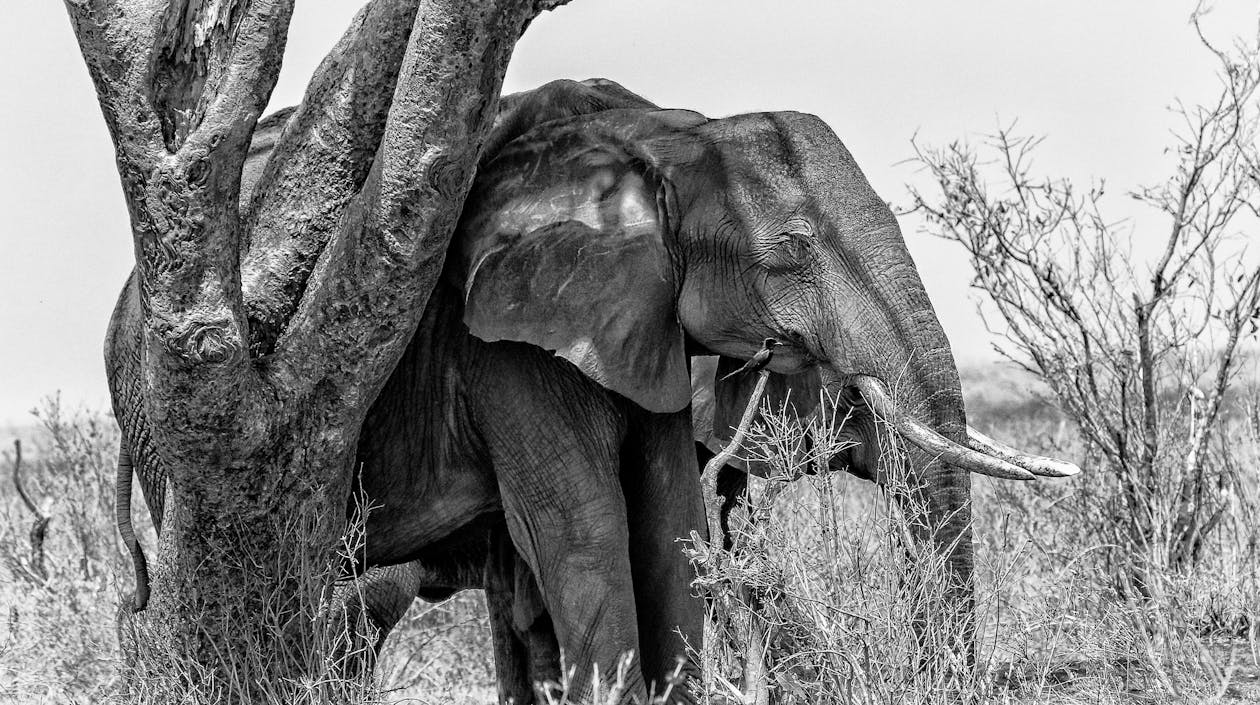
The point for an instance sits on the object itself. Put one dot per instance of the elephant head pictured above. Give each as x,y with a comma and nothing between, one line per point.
627,239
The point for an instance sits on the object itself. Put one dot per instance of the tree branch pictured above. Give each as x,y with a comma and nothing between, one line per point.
373,280
319,164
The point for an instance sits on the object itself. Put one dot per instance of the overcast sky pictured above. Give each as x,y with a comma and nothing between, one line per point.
1095,77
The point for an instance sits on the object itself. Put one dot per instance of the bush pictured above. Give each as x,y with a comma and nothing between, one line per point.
58,643
1143,360
824,588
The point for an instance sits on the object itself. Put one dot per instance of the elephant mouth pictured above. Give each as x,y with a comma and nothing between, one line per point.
981,455
789,360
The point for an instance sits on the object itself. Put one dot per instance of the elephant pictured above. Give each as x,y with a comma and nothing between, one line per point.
623,221
645,236
539,425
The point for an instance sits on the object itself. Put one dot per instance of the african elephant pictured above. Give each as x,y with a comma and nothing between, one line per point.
622,240
645,235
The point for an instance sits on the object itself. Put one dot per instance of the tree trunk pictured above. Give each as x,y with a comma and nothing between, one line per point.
252,396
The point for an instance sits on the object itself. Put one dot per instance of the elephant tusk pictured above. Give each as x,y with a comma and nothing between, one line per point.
919,434
1036,464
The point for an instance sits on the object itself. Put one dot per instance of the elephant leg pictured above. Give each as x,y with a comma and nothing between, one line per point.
583,566
362,611
533,627
557,473
664,504
527,655
387,594
512,656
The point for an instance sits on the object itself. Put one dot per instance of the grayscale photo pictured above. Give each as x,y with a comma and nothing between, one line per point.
630,352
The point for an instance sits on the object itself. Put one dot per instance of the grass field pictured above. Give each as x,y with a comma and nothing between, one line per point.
833,587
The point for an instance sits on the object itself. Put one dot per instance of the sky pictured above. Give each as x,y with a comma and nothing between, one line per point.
1096,79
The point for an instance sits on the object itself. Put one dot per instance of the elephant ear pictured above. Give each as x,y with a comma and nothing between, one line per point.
703,403
798,393
563,246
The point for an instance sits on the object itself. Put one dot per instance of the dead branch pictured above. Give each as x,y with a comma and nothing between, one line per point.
752,632
39,527
1126,352
713,502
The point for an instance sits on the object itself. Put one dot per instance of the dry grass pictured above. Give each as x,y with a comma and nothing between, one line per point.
824,570
58,643
833,589
60,639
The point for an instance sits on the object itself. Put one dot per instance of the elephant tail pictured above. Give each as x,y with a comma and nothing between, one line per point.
122,515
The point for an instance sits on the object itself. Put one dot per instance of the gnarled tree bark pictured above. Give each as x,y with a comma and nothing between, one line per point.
269,327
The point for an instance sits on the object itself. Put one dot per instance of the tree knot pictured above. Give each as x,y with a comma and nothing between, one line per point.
205,343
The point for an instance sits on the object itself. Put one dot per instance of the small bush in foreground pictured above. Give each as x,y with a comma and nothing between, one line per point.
824,592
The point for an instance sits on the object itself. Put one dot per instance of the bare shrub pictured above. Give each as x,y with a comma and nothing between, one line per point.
1142,356
61,633
824,594
1152,551
826,589
58,641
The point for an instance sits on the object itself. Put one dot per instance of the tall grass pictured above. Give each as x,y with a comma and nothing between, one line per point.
825,587
822,584
60,639
58,642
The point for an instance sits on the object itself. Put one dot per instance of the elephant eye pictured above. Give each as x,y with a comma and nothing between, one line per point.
784,246
788,249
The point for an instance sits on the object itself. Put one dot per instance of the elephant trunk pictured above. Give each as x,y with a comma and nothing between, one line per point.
937,479
902,364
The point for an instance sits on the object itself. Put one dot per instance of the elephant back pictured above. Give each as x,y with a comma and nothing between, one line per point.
521,112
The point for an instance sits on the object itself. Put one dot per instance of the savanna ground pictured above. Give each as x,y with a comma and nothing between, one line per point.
826,567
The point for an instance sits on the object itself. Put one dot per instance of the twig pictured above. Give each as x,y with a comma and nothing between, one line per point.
756,675
713,503
39,528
